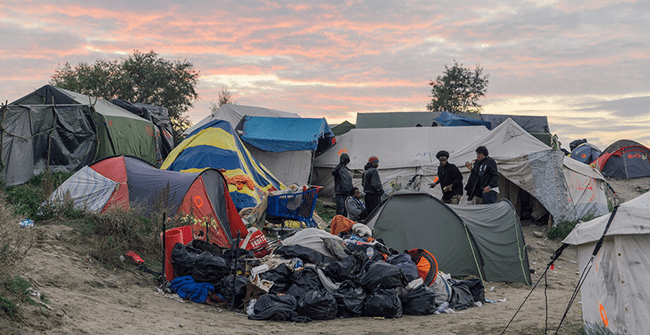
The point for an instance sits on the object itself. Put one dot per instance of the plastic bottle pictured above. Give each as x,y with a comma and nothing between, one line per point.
370,252
27,223
443,308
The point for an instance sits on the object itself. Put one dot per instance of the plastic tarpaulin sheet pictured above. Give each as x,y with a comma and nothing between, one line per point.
279,134
87,189
449,119
41,137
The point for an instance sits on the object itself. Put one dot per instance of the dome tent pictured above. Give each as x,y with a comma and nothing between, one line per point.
126,181
624,159
482,240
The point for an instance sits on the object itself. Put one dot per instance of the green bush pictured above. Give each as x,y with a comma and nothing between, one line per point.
563,229
13,288
25,199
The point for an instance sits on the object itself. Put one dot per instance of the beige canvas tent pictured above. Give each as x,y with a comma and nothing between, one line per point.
401,152
616,291
566,188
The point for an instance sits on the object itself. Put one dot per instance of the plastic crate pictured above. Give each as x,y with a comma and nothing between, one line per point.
294,206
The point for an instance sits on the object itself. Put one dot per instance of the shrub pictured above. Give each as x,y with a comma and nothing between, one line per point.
563,229
12,290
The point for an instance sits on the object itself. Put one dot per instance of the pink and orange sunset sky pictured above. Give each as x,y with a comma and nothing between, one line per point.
584,64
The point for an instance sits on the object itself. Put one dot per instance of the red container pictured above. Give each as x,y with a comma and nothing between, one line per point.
172,237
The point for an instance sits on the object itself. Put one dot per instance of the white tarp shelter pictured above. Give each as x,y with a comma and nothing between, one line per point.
616,291
567,189
290,167
401,153
234,114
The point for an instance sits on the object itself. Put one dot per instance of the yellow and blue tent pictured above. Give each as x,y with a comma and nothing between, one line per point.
216,145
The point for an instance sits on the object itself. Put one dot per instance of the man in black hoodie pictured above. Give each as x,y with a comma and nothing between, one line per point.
342,183
483,182
372,184
449,178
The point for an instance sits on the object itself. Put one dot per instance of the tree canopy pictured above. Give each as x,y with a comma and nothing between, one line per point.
458,89
225,98
141,77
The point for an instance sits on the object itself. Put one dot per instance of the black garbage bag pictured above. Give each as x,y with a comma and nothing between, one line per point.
465,292
335,247
307,255
381,274
363,248
206,246
477,289
183,259
383,302
347,268
277,308
304,281
349,298
317,305
405,262
419,301
242,254
238,291
209,268
280,276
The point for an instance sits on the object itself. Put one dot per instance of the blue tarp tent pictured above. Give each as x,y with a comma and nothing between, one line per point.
449,119
278,134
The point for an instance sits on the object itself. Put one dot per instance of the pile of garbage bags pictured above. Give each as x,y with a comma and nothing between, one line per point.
314,275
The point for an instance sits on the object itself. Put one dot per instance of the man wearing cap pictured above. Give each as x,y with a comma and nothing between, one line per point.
449,178
483,182
372,184
342,183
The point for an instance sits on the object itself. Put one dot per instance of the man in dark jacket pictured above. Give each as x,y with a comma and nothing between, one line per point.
449,178
372,184
342,183
483,182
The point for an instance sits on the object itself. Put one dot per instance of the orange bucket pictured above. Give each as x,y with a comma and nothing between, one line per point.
172,237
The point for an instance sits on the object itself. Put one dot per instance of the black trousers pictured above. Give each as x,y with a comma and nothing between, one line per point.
340,205
372,201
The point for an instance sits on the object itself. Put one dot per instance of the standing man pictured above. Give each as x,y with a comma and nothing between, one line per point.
342,183
372,184
449,178
483,181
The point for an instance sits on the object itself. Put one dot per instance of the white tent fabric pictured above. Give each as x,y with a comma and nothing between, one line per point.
290,167
401,152
234,114
87,189
567,190
616,291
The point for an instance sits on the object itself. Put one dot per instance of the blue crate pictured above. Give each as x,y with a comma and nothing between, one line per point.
294,206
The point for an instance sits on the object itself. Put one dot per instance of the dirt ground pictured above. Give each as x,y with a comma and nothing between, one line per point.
84,297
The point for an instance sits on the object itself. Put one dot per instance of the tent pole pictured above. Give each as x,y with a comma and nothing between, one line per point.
164,245
311,167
